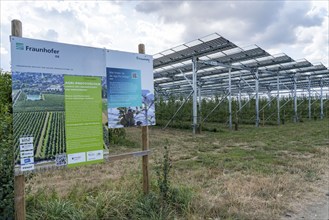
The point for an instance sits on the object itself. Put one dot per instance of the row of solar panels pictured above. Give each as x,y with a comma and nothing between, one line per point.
172,66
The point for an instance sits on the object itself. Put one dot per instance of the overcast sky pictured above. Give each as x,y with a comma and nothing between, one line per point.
297,28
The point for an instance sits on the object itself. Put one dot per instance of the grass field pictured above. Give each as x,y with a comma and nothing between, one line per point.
253,173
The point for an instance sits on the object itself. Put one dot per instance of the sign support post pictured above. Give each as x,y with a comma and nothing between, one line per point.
145,144
19,182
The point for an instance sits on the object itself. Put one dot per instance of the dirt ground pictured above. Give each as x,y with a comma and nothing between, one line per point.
317,211
313,207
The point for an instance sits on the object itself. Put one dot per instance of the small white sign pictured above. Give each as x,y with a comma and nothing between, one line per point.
27,160
26,147
95,155
27,167
76,158
26,140
28,153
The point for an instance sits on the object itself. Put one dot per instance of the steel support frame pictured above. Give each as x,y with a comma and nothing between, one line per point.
200,105
214,63
321,98
239,96
295,98
195,95
257,97
309,99
278,96
230,98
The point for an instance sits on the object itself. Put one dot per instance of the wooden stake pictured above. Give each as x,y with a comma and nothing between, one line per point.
141,48
16,28
19,182
19,188
145,144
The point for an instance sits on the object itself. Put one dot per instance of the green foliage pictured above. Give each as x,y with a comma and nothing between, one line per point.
162,171
6,149
117,136
165,109
51,207
170,199
152,206
174,124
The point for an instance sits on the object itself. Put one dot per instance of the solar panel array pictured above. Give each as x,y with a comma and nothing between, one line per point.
173,66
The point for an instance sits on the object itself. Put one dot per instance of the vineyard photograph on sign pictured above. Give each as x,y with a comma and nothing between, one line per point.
38,104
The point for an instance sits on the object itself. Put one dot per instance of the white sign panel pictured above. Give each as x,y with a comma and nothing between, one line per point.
27,153
94,155
27,160
76,158
27,167
26,140
38,56
26,147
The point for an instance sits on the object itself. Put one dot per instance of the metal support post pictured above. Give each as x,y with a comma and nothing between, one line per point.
257,97
309,99
321,99
278,96
295,99
200,100
239,97
195,95
229,98
199,106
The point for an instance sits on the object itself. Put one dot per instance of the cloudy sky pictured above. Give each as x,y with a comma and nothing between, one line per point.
297,28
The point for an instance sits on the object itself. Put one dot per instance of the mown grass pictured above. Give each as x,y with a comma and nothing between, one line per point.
252,173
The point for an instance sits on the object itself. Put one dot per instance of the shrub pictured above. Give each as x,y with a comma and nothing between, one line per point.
6,149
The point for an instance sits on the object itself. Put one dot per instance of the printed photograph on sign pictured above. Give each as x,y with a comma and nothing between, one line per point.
38,106
130,90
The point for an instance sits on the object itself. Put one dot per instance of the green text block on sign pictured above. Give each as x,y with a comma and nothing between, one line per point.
83,120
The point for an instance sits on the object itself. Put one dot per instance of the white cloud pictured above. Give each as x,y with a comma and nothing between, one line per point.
311,41
299,29
317,49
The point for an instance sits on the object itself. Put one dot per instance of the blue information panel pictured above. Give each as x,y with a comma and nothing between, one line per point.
124,87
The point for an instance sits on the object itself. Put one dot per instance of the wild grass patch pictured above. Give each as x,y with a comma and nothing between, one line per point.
252,173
